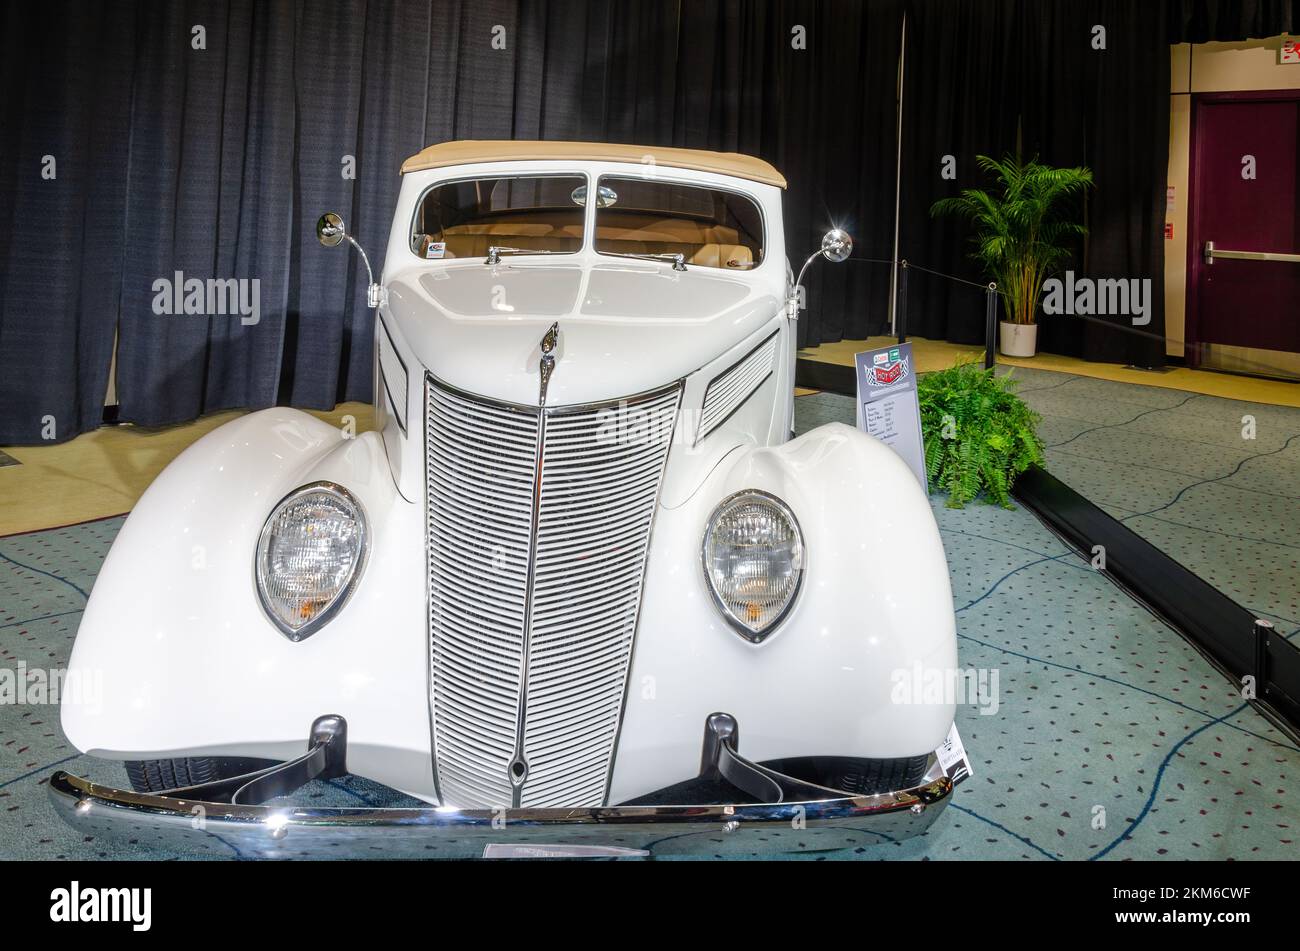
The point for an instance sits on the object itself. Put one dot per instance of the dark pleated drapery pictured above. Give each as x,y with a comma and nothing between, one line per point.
961,99
1203,21
1001,77
215,162
65,145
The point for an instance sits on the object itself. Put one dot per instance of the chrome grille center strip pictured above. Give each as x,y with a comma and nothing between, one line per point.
539,527
518,762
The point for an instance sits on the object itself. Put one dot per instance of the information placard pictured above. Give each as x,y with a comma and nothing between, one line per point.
887,403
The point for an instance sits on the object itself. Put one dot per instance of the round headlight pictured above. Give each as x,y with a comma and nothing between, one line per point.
309,556
753,561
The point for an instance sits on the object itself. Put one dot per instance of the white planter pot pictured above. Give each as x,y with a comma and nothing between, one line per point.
1019,340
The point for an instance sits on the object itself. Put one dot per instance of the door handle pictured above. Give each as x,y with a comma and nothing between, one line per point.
1211,252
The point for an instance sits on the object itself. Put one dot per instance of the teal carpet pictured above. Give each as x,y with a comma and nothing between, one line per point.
1178,469
1113,739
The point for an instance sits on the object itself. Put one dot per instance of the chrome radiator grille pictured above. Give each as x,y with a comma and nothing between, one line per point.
534,588
480,499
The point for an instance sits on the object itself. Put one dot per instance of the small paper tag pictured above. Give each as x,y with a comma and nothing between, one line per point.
436,249
953,757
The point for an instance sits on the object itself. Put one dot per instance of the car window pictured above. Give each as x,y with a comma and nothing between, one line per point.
707,226
533,213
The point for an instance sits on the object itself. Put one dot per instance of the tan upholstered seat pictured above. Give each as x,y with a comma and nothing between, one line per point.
702,243
539,232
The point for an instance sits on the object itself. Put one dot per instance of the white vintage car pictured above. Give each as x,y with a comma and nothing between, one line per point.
581,590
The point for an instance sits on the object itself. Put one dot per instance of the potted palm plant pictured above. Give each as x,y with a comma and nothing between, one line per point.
1024,230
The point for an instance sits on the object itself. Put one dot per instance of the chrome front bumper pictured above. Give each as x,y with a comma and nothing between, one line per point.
806,818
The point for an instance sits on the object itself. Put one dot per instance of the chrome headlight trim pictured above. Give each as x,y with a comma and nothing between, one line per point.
748,633
344,594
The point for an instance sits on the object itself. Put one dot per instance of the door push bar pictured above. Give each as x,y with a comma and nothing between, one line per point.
1211,253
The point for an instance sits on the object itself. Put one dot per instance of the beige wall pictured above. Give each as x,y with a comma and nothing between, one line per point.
1212,67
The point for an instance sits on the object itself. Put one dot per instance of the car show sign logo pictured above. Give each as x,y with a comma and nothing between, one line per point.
887,367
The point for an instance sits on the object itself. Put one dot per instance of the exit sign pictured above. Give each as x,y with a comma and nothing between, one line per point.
1290,52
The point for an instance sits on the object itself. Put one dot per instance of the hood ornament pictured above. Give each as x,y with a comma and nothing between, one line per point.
548,359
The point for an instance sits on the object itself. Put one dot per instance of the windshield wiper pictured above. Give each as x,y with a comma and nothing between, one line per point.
495,252
678,259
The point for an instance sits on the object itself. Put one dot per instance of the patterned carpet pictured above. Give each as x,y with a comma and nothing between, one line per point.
1212,482
1112,739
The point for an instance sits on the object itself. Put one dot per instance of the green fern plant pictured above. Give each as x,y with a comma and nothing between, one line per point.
978,434
1023,229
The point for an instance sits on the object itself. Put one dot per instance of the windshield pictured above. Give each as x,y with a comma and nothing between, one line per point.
466,219
707,226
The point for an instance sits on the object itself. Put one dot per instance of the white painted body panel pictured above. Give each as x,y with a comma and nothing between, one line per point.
191,665
875,600
190,662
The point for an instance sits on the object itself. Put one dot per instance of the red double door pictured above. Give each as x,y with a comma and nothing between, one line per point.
1244,252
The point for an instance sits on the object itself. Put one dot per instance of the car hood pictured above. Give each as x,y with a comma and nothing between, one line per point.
624,329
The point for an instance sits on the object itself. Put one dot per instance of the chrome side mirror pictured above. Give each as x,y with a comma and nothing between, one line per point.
837,245
330,232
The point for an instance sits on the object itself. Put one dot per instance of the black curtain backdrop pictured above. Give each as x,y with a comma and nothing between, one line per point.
962,96
1000,77
215,162
1202,21
61,247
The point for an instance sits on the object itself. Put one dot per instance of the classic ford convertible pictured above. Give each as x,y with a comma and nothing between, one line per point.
580,591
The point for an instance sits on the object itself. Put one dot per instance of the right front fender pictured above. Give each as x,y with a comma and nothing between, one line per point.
875,603
188,662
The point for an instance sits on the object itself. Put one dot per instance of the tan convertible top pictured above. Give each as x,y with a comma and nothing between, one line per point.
506,150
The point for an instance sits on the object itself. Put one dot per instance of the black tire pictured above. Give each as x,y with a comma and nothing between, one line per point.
861,777
866,777
156,775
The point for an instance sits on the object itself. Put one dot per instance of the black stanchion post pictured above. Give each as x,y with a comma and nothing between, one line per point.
990,325
900,323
